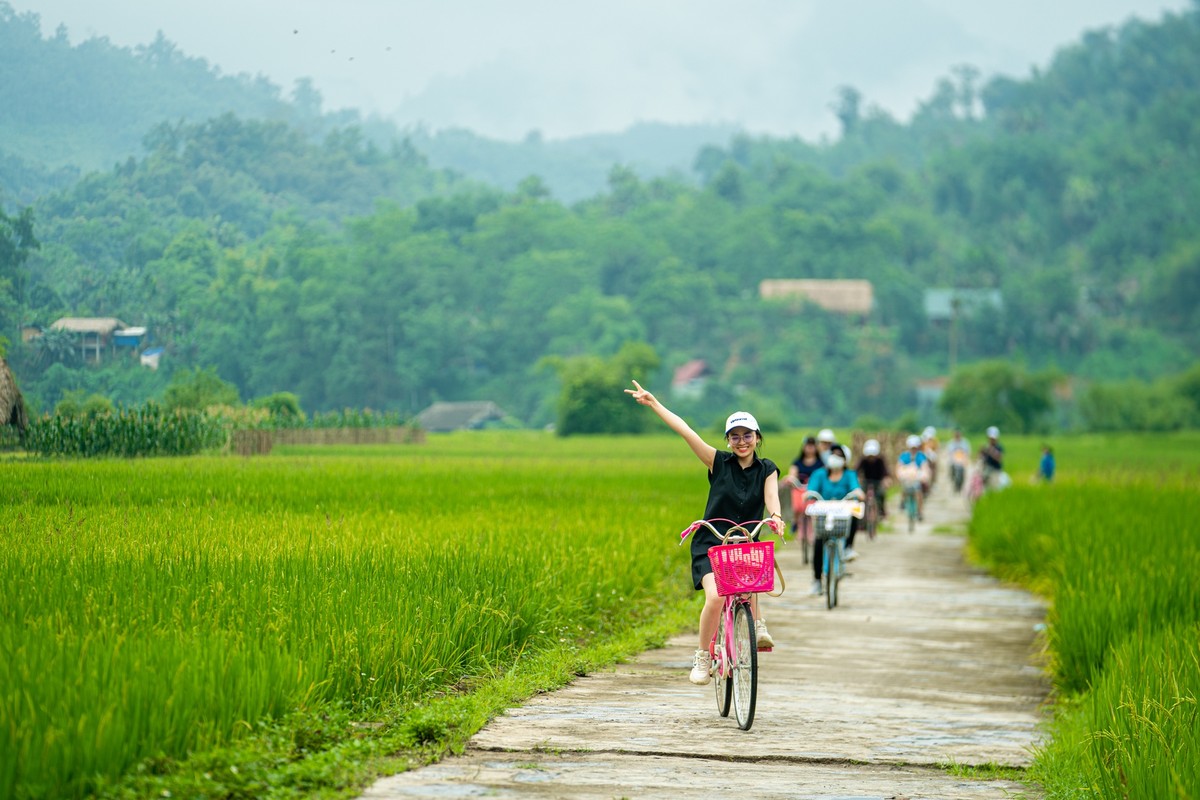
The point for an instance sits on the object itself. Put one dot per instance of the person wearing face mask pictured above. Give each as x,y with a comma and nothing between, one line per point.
833,482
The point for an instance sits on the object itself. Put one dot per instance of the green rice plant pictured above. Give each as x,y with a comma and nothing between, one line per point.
153,609
1145,714
1117,554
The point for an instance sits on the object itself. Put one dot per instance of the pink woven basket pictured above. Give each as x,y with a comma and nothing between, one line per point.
743,567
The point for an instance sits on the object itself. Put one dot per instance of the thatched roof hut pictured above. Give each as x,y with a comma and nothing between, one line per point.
840,296
12,405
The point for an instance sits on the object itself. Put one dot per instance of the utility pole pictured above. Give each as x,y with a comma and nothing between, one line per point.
954,304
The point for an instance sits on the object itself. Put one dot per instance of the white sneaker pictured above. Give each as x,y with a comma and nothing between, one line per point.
701,668
762,635
851,555
816,587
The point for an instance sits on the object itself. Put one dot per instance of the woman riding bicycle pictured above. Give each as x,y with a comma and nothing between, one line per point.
958,451
832,482
807,462
740,485
913,471
873,474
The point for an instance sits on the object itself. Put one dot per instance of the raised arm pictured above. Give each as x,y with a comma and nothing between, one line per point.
703,450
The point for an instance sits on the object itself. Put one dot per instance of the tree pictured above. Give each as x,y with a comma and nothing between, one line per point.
198,389
593,399
999,393
16,243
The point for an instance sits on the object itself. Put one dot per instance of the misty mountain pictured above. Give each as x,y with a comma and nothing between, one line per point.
67,110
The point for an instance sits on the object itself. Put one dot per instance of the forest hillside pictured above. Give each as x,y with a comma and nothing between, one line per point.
1058,214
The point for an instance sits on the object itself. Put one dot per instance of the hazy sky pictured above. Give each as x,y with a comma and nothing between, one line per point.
564,68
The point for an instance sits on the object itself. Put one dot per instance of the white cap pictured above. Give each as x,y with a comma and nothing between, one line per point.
993,432
929,432
871,447
741,419
913,441
826,435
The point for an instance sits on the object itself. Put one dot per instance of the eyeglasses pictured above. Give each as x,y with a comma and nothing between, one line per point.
738,438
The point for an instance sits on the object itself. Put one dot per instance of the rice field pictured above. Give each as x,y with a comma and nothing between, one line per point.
157,608
1115,546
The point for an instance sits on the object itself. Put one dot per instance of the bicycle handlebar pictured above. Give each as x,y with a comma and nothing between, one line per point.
738,529
852,493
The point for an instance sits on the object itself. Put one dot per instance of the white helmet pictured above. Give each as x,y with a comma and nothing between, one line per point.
993,432
913,441
929,433
826,435
871,447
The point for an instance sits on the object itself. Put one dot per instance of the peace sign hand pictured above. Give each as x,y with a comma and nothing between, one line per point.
641,395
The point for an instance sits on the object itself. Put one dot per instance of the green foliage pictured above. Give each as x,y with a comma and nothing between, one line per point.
281,405
199,388
1124,619
999,393
593,398
342,266
302,593
76,404
1136,406
126,433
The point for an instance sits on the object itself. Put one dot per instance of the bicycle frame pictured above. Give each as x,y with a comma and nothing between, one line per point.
833,552
734,662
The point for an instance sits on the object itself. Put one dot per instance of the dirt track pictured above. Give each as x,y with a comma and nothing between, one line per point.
925,661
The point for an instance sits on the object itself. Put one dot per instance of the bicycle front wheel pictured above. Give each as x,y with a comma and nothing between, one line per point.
745,666
721,681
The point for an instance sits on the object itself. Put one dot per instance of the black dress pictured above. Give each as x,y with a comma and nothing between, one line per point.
733,494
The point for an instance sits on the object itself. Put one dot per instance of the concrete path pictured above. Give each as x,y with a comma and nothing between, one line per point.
925,661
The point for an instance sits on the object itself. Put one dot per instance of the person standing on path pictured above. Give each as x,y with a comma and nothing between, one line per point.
1046,466
740,485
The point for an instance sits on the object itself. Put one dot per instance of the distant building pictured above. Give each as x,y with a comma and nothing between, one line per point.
855,297
93,334
689,379
150,357
442,417
943,305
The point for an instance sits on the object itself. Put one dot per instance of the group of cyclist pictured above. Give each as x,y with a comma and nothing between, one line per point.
742,485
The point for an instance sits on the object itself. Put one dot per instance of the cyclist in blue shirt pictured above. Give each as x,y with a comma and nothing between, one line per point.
832,482
914,467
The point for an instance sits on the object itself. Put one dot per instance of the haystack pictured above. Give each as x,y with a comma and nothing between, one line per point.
12,405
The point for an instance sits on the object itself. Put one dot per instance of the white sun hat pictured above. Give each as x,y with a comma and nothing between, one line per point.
826,435
913,441
993,432
741,419
871,447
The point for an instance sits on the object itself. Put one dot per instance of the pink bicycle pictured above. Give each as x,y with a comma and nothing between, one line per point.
742,566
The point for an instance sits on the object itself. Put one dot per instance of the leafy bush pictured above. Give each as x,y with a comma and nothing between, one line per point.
999,393
199,388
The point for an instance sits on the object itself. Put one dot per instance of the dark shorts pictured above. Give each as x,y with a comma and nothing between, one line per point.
701,566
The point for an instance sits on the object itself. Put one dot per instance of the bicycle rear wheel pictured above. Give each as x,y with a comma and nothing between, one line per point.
833,547
872,515
721,682
745,666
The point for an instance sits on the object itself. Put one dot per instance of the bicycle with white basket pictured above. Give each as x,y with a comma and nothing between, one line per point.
832,520
742,567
